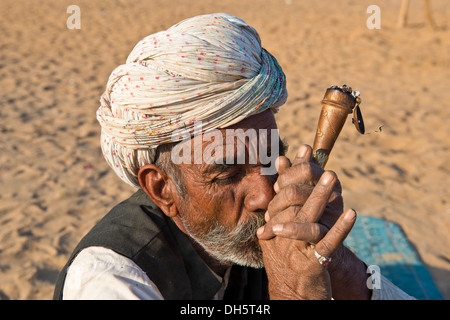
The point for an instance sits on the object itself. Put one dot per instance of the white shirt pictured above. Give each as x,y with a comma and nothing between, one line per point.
98,273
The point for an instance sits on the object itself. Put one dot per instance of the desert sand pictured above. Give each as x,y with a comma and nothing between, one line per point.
55,184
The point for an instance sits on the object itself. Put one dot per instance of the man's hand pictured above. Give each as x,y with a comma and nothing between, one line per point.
286,217
295,184
292,268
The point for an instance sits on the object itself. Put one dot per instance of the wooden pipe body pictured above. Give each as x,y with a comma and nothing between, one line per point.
337,104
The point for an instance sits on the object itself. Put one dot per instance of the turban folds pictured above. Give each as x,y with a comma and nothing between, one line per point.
209,68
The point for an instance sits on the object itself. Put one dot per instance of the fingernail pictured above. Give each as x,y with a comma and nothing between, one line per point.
350,215
267,216
260,230
276,188
277,228
277,163
326,178
302,151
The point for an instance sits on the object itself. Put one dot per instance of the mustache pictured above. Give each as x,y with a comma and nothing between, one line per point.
240,235
246,231
238,244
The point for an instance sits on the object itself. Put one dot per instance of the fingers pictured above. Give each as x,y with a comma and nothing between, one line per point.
318,199
307,173
266,232
281,163
309,232
310,212
302,171
304,154
297,195
337,234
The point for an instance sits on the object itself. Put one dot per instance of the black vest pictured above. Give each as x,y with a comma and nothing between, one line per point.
137,229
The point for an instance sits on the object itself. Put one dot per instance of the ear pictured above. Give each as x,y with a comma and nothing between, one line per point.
159,187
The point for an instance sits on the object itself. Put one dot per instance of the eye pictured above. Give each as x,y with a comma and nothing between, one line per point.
227,176
222,179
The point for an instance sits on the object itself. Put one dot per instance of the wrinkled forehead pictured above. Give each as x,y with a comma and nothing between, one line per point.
241,139
250,141
264,120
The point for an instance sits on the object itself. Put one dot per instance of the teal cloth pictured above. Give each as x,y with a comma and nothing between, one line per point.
384,244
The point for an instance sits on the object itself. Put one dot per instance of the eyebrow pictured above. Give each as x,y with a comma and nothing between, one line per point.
218,168
221,167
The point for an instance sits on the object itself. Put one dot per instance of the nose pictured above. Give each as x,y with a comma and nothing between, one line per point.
259,192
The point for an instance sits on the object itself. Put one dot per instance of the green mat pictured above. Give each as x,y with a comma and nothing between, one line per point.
384,244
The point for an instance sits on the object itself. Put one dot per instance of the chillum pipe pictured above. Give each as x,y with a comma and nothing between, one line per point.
337,104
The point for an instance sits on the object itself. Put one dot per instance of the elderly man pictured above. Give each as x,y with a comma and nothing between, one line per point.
189,121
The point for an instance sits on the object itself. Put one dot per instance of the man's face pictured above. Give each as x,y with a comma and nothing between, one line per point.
225,203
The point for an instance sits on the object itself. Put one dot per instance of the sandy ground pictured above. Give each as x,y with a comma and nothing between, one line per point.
55,184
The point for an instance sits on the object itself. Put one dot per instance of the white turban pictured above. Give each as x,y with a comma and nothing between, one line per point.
210,68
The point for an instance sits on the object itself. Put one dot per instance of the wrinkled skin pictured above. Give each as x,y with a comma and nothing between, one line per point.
309,211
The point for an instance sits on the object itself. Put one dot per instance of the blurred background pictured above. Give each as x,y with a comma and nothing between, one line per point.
55,184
